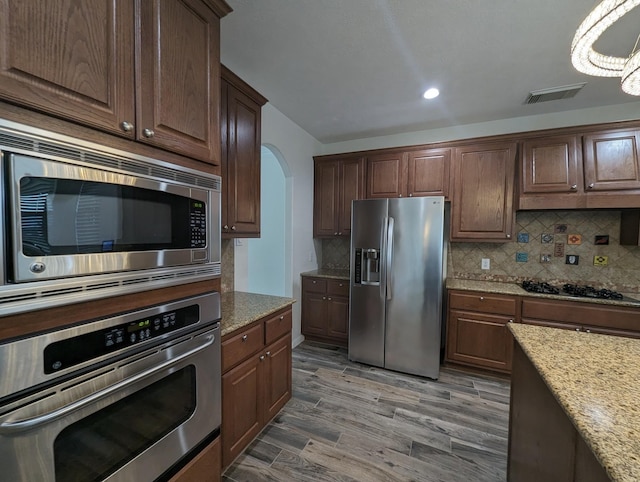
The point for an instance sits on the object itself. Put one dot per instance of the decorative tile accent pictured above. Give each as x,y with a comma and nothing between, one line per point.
574,239
572,259
523,237
560,228
522,257
601,239
600,260
558,250
545,258
546,238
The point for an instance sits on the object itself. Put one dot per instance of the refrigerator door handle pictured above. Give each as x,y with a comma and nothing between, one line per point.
389,260
383,257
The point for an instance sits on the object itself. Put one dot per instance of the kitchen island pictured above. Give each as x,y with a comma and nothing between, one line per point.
575,406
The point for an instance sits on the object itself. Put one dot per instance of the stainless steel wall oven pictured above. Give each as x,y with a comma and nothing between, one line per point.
83,218
123,398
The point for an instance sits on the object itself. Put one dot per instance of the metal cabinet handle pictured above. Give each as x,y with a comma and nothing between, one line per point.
148,133
481,298
340,233
577,329
335,234
588,331
281,318
329,298
226,226
126,126
410,194
508,236
324,297
341,285
233,228
591,185
244,337
30,423
261,357
268,353
510,321
574,187
314,281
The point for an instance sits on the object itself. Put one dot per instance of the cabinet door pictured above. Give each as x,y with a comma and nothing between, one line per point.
70,59
338,317
483,192
611,161
242,407
351,187
551,164
314,313
481,340
177,105
277,376
387,175
325,198
428,172
243,164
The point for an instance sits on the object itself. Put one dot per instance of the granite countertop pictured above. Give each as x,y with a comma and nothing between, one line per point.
515,289
240,309
328,273
595,380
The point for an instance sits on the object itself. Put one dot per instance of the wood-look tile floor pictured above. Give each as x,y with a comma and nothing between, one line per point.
351,422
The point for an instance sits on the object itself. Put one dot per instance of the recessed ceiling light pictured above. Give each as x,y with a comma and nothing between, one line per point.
431,93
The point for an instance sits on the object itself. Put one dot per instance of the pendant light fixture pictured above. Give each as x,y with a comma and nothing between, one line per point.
586,60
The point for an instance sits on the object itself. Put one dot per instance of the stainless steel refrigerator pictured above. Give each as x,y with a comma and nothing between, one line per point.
398,263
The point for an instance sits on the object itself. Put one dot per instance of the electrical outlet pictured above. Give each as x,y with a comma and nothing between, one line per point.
486,263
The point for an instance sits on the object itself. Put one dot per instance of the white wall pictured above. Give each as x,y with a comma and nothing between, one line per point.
295,148
612,113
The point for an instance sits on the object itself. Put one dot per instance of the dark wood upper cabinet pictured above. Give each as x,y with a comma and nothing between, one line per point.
611,161
179,63
145,70
337,182
387,175
482,205
70,58
240,125
428,172
551,164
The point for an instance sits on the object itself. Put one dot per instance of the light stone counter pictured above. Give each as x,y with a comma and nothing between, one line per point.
596,380
240,309
515,289
342,274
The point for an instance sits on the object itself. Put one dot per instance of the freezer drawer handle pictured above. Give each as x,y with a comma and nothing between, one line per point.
34,422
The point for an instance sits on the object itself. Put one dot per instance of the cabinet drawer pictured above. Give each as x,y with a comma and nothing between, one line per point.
338,287
474,301
277,326
582,313
242,346
316,285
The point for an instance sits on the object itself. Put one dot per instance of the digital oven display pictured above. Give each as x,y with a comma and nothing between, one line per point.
73,351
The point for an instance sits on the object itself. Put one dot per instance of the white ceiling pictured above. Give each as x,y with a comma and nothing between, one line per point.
348,69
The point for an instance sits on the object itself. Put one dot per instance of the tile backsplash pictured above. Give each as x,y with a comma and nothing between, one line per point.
540,252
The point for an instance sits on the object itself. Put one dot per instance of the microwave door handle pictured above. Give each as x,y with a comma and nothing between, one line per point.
34,422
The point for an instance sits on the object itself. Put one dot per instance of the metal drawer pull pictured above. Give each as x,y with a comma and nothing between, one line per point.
281,318
30,423
261,357
244,337
268,353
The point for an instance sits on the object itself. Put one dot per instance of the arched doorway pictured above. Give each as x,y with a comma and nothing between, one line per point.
269,257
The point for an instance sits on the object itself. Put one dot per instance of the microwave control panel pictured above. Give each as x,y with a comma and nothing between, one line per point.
73,351
198,224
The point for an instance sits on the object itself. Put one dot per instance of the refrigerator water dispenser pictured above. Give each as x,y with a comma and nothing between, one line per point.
367,266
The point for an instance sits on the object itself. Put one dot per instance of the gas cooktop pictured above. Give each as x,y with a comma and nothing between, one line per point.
581,291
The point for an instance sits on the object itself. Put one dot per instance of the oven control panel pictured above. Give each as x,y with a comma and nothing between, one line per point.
198,224
72,351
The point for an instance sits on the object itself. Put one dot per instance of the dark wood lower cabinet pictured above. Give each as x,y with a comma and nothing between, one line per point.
256,380
204,467
543,443
477,333
325,310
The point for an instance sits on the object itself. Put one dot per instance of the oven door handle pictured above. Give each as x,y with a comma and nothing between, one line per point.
34,422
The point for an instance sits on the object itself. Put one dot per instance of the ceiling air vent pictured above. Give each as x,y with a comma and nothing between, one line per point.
554,93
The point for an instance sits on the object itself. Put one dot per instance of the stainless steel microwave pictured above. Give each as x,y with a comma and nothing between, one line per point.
75,210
